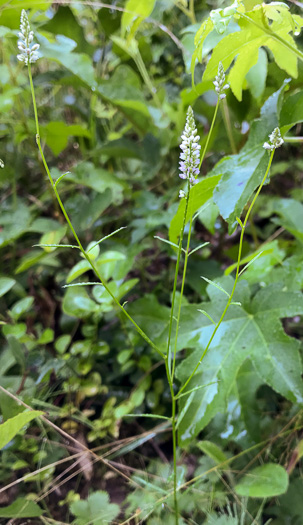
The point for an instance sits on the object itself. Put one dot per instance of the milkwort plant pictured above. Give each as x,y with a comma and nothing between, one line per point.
189,169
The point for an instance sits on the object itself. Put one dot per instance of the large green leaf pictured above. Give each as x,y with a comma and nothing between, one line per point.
241,48
6,283
199,195
265,481
10,428
251,331
242,173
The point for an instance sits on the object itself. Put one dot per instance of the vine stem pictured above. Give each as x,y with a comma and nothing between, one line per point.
93,266
236,278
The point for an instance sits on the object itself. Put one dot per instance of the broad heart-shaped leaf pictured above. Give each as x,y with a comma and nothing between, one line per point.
199,195
10,428
265,481
242,173
251,331
244,45
96,510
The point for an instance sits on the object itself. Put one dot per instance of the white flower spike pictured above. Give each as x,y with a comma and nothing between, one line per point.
190,156
29,53
275,140
219,83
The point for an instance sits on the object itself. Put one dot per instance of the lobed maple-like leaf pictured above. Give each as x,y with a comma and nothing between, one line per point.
266,26
252,332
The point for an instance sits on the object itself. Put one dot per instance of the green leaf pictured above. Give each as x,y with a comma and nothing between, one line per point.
243,47
78,64
56,134
266,481
10,428
77,303
95,510
291,216
6,283
53,237
199,195
212,450
20,307
251,331
135,12
21,508
96,178
242,173
291,112
256,77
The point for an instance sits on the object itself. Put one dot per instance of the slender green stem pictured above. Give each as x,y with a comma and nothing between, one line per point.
188,243
94,268
144,73
273,35
168,352
228,127
236,278
192,11
210,132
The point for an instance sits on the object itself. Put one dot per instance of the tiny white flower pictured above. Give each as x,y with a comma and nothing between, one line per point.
275,140
219,83
1,163
29,53
182,194
190,156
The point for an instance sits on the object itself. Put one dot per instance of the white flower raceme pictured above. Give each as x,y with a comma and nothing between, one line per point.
190,156
275,140
219,83
29,52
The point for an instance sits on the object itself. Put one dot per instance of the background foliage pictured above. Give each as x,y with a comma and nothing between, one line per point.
113,85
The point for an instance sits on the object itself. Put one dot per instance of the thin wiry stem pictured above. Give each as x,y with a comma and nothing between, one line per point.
236,278
87,257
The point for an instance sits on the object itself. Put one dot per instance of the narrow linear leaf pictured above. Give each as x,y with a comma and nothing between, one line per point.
81,284
184,409
106,237
153,416
56,246
168,242
207,315
198,248
194,389
215,284
60,178
250,262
